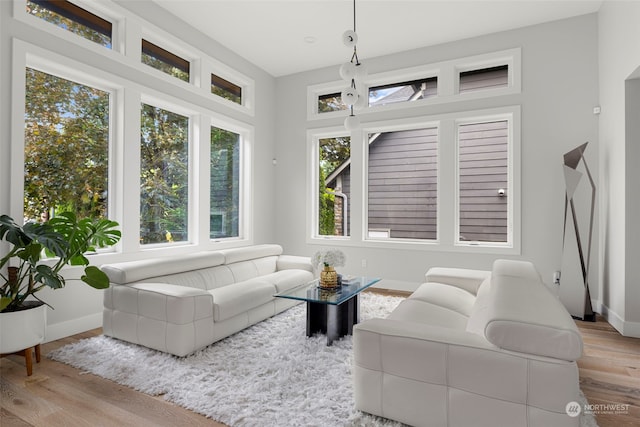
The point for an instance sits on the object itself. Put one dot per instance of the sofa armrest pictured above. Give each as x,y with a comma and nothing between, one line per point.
287,262
467,279
407,330
160,301
170,318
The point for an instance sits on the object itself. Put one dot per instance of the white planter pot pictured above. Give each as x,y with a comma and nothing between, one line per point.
22,329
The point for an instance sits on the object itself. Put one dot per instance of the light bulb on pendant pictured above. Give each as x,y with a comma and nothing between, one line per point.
360,71
349,38
351,122
348,71
361,102
349,96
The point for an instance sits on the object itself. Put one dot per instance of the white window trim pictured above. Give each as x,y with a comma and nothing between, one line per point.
447,184
105,9
128,30
245,208
193,147
396,126
26,55
512,116
313,138
447,73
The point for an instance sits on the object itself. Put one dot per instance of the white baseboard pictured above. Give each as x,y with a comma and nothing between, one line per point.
60,330
625,327
397,285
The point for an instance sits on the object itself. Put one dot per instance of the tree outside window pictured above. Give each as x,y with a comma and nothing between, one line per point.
66,148
164,176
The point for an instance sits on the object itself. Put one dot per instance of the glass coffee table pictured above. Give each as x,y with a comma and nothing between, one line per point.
331,312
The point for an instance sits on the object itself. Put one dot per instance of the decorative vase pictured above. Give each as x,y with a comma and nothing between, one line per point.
328,278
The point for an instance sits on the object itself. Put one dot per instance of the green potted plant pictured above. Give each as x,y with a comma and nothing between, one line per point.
37,254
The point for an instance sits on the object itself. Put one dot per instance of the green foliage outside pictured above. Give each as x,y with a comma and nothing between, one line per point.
226,94
68,24
331,103
164,67
333,152
164,175
66,148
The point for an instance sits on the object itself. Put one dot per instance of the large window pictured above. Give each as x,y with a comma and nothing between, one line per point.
402,182
164,176
224,220
67,15
483,177
334,186
66,147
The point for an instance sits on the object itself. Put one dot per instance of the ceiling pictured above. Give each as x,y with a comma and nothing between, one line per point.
290,36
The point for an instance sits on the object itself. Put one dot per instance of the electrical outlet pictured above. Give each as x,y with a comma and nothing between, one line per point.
364,263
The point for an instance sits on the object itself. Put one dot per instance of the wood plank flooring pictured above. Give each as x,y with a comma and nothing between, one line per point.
59,395
610,373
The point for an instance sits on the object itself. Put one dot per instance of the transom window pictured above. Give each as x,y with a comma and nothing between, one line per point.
484,78
165,61
73,18
403,92
225,89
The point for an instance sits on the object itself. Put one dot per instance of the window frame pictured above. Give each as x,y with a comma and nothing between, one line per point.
29,56
399,126
313,161
447,184
447,74
167,57
102,10
245,206
192,171
512,116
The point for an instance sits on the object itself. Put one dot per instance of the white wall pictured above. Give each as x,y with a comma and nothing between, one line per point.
619,58
77,306
559,91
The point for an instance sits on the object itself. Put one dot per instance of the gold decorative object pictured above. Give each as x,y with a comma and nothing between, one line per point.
328,278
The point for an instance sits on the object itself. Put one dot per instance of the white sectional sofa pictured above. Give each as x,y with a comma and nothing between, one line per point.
471,348
183,303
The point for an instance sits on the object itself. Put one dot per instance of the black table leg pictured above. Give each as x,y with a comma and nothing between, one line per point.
333,320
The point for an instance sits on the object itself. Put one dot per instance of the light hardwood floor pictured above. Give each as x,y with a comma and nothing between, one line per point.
59,395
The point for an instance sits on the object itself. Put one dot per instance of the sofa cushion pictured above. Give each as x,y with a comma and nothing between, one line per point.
479,313
524,316
464,278
446,296
135,271
250,252
229,301
415,310
287,279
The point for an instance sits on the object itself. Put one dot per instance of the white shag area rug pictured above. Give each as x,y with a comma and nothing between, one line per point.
270,374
